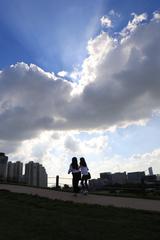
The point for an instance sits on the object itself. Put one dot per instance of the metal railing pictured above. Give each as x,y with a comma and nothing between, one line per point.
59,181
53,182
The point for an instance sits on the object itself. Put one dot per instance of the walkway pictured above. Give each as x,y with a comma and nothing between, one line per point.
143,204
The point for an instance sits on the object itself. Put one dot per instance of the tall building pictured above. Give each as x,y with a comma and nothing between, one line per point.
3,166
29,169
42,177
35,175
10,172
136,177
150,170
15,170
18,171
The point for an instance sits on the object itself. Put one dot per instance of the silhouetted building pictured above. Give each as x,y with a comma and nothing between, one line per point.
98,183
3,166
30,174
10,172
42,177
136,177
119,178
107,176
158,177
150,170
150,179
35,175
15,171
18,171
114,178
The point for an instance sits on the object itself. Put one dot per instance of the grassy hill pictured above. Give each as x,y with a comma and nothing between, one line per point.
27,217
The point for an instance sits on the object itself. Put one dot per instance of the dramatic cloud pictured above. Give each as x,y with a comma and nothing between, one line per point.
30,101
125,85
119,85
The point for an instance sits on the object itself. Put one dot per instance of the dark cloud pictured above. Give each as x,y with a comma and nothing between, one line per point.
9,147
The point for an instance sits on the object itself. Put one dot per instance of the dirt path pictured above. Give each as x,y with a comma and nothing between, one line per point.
143,204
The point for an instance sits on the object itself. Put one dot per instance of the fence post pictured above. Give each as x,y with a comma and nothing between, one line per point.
57,182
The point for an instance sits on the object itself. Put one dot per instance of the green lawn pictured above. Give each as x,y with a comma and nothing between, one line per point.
26,217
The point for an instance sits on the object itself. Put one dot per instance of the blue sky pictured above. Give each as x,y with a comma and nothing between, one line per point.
46,32
108,111
35,31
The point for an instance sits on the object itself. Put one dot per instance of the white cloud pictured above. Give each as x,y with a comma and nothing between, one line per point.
75,75
120,81
133,163
156,16
132,25
106,22
98,49
55,150
30,101
62,73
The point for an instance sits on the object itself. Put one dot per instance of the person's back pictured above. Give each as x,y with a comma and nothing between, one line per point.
84,172
74,169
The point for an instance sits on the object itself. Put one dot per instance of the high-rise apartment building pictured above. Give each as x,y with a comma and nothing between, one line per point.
10,172
35,175
18,171
42,177
15,171
29,175
3,166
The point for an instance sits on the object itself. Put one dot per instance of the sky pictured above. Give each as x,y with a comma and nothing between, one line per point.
81,78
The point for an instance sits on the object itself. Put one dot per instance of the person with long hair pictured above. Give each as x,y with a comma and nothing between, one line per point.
84,171
76,173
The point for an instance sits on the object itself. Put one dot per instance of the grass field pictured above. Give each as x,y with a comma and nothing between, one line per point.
26,217
141,195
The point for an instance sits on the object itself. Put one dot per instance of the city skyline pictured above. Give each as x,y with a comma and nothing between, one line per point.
81,78
32,174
